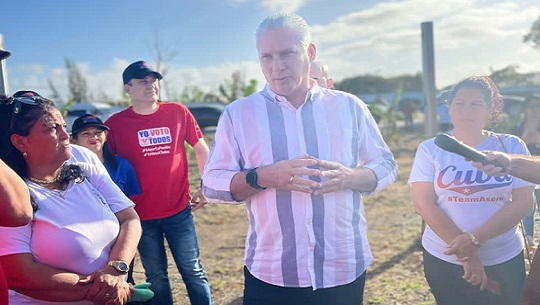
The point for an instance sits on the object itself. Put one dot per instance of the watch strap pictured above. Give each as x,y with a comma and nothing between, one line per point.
253,179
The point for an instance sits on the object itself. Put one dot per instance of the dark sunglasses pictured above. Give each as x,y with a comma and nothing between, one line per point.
19,102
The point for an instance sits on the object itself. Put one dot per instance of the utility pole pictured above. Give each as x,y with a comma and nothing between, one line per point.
3,72
428,79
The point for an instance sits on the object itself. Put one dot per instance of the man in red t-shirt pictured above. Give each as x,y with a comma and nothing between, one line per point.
151,135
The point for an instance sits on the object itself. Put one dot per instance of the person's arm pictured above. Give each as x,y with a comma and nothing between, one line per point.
377,168
288,174
424,199
338,177
108,279
40,281
531,290
503,220
201,153
523,167
15,208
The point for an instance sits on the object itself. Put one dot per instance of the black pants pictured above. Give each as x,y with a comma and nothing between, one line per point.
449,288
257,292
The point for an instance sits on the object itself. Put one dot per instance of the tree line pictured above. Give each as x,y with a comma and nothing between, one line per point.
237,86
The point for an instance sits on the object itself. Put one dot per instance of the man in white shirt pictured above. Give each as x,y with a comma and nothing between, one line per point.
300,157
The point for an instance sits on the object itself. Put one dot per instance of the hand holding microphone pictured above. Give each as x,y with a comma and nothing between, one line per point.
453,145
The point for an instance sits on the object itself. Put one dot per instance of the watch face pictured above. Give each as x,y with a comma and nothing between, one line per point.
123,266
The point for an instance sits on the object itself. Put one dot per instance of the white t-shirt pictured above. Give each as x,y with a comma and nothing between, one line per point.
469,197
73,229
83,154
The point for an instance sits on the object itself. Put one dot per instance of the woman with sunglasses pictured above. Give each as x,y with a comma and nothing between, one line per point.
84,228
473,250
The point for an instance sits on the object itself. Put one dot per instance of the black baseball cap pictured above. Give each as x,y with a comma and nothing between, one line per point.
4,54
139,70
87,120
26,93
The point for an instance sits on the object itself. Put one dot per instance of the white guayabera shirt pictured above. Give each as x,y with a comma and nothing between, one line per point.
297,239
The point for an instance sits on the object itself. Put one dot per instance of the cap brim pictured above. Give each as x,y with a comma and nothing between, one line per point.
4,54
104,127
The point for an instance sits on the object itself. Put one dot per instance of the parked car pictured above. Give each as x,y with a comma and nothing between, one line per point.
101,110
206,114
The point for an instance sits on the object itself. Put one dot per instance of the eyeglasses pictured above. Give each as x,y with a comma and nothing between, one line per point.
19,101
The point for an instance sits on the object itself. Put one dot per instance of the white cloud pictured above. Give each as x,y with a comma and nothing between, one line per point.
286,6
471,37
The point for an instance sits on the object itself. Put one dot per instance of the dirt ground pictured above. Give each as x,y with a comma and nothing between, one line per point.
396,276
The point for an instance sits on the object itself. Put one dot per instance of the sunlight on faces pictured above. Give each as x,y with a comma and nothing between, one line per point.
47,142
143,90
469,109
285,62
92,138
316,73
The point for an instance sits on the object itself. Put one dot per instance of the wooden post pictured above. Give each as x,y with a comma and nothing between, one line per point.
428,80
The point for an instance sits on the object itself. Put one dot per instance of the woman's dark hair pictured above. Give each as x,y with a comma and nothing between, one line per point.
489,90
108,156
110,159
28,111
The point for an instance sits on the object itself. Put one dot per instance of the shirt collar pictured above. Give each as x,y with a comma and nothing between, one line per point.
311,95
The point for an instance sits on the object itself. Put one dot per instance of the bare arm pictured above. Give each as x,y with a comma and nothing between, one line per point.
15,208
523,167
508,216
201,153
108,280
43,282
424,199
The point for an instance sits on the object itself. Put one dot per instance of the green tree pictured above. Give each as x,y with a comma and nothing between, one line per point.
236,87
534,35
78,89
510,77
373,84
192,94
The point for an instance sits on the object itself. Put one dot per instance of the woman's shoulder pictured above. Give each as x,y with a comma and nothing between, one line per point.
506,138
122,161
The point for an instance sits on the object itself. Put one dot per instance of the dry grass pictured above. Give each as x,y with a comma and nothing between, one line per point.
396,276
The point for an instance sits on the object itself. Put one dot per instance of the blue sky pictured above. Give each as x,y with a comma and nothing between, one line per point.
213,38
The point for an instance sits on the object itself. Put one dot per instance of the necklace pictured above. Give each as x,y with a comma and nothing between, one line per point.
39,181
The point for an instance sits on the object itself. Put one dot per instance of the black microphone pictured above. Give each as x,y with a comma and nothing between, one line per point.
453,145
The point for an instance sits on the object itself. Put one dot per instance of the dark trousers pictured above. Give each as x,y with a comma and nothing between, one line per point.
449,288
257,292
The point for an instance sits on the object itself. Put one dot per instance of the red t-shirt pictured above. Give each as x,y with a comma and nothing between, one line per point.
3,288
154,145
